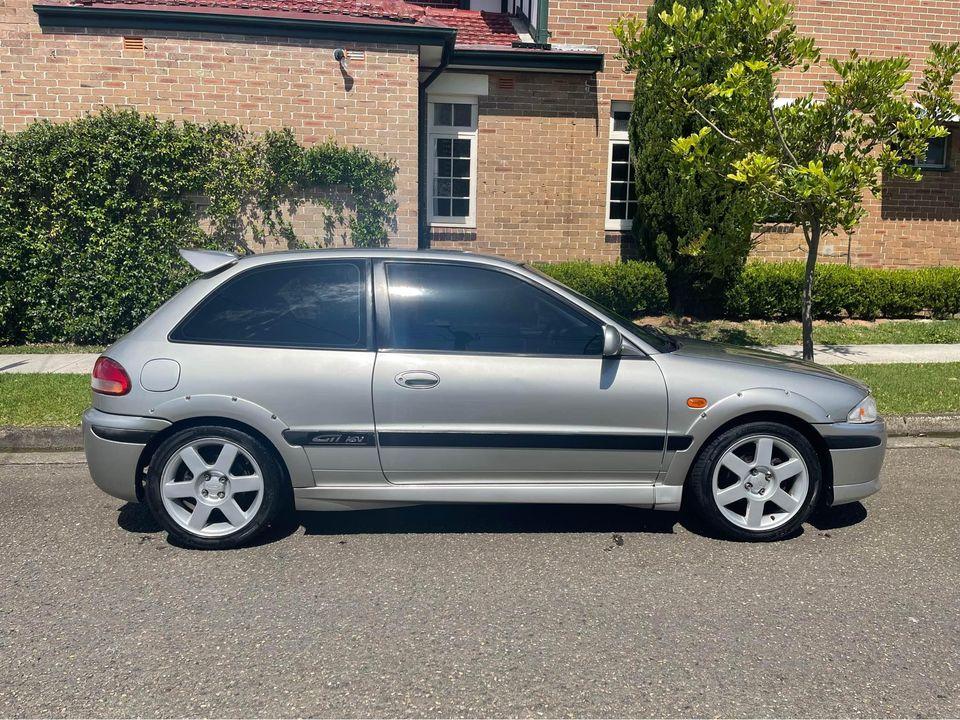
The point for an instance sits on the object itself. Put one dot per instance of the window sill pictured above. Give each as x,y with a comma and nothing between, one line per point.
448,226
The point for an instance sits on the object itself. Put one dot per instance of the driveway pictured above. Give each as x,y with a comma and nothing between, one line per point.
477,611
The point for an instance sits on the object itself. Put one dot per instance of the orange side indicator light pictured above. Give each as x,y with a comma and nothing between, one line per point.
697,403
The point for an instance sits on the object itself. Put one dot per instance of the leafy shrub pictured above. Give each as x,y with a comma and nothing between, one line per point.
630,288
772,291
695,225
940,290
92,212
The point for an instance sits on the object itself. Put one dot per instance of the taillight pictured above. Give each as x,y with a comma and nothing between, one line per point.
109,377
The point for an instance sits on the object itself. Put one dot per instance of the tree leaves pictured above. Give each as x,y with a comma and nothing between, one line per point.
813,158
690,220
808,162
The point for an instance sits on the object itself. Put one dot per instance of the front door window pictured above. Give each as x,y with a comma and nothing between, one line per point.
442,307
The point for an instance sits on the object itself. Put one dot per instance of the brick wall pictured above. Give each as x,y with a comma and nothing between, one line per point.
259,83
541,168
913,224
542,143
878,27
542,163
910,225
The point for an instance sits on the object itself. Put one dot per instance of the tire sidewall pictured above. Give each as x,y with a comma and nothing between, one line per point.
701,480
275,487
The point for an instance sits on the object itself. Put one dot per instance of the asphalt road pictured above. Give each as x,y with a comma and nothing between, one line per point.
481,611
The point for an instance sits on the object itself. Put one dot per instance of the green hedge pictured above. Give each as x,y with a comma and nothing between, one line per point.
630,288
92,212
773,291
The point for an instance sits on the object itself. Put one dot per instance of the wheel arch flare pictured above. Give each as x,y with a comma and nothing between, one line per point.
754,404
231,411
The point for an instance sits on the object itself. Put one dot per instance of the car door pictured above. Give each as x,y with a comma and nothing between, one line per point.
294,337
484,375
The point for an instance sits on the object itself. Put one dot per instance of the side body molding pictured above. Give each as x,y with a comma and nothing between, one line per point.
746,401
187,407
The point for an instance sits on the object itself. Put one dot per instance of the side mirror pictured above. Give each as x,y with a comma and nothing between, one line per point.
612,341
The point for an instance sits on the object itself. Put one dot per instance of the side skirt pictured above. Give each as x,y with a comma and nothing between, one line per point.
357,497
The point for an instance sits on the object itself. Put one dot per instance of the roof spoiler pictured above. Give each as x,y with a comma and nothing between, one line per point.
209,262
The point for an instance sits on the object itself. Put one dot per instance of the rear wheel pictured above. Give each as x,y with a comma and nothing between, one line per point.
215,487
758,481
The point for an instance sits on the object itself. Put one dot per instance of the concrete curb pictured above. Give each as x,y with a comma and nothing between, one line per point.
913,425
44,439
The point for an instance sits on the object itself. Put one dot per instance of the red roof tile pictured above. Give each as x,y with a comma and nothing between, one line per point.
394,10
473,27
476,27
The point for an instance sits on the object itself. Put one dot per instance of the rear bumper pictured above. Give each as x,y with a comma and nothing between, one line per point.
113,445
857,451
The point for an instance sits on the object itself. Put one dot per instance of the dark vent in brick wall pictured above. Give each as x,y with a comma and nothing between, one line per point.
506,83
452,235
133,43
619,236
629,250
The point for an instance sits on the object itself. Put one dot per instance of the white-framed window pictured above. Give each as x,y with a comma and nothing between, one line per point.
452,159
938,153
621,194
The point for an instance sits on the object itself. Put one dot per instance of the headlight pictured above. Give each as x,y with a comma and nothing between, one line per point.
864,412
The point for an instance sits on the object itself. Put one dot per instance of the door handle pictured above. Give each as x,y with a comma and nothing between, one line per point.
417,379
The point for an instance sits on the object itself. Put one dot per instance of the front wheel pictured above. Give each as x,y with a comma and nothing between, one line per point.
758,481
215,487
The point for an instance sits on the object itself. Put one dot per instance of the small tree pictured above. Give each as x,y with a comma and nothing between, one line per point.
808,160
696,225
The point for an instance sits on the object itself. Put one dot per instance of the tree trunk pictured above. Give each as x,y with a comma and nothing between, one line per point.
812,233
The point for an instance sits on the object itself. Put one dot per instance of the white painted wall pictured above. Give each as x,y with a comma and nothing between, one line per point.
488,5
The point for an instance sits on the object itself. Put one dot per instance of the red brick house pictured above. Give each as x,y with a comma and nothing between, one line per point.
506,117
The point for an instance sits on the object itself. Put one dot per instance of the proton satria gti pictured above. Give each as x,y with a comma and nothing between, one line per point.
351,379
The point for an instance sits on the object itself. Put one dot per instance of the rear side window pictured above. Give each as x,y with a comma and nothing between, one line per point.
459,308
290,304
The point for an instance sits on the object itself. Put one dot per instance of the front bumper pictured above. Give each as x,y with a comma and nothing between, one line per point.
113,445
857,451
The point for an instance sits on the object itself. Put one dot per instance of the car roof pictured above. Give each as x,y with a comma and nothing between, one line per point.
391,253
381,252
212,262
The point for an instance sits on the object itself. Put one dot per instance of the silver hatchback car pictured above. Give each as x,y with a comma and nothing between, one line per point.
351,379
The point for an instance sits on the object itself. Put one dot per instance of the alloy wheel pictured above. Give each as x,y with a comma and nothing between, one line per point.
760,482
211,487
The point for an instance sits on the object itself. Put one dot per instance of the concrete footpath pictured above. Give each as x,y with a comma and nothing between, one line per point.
874,354
82,363
74,363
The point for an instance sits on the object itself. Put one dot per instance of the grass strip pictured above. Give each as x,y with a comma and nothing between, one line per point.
907,388
33,399
48,348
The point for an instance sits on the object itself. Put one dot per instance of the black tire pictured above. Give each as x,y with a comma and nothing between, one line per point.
277,494
700,481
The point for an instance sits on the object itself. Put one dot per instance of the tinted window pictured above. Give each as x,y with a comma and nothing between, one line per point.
466,309
654,337
316,304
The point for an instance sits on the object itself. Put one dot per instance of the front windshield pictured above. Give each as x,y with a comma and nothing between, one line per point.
654,337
